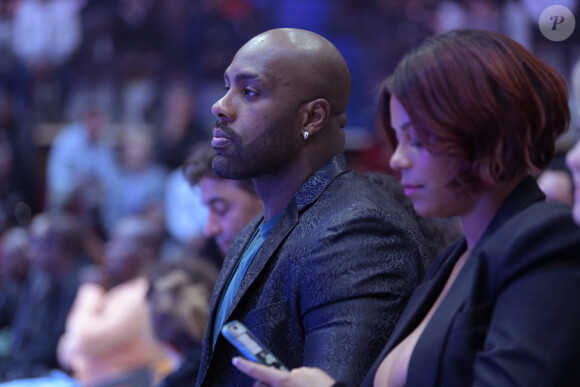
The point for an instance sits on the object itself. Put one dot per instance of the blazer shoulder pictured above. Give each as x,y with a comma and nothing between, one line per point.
543,234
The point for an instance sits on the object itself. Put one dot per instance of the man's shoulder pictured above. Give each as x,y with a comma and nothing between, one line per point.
352,187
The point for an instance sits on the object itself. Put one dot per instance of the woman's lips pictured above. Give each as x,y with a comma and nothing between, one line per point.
411,188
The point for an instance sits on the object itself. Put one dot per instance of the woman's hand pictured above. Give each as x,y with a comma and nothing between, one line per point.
298,377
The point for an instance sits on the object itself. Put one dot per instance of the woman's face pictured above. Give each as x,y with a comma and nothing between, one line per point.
425,177
573,161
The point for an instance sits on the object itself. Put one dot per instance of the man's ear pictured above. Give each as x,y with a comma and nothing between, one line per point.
317,114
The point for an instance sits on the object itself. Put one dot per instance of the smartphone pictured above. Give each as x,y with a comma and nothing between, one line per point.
249,345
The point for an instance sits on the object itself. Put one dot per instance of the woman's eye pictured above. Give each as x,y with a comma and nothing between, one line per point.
416,144
227,88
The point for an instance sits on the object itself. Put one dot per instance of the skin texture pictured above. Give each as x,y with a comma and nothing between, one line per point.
230,209
272,97
298,377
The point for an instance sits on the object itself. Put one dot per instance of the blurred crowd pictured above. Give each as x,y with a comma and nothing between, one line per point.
102,101
156,66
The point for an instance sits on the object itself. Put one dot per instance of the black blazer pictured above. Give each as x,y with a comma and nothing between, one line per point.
512,317
329,283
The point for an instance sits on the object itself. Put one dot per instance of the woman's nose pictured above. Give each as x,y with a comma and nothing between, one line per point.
399,160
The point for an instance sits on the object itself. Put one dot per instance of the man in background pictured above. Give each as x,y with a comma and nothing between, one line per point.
232,204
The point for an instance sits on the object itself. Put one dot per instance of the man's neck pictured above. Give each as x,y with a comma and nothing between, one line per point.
276,191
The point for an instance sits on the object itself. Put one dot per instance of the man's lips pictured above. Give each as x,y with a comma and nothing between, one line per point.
219,140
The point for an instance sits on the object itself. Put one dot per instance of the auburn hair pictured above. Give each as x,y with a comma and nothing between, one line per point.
481,97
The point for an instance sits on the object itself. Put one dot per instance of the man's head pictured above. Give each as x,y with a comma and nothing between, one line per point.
134,246
280,85
179,299
232,203
15,255
55,241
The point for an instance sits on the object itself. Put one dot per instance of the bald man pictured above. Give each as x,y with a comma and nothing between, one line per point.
321,275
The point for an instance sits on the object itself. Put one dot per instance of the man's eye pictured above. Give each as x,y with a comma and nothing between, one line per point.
227,88
249,92
219,208
416,144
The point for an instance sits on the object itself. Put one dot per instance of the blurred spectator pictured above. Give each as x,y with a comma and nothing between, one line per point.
177,20
11,70
137,41
232,203
138,184
185,214
479,14
14,265
16,134
45,36
16,189
93,63
178,298
177,128
556,181
222,26
109,338
80,159
56,261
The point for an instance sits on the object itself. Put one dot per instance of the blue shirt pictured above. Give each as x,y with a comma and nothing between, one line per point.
240,271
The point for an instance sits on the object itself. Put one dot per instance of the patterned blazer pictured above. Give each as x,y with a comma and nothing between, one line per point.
327,286
512,317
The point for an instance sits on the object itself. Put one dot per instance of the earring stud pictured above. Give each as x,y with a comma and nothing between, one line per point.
305,135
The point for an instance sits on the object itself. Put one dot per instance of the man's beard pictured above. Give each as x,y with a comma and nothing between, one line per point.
256,159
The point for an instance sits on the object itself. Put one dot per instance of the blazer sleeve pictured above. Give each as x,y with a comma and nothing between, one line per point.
533,337
357,279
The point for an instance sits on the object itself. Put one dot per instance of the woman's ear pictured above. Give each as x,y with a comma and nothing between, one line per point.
317,114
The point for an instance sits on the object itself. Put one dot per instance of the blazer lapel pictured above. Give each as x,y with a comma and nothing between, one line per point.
433,337
424,296
279,233
230,262
308,193
437,330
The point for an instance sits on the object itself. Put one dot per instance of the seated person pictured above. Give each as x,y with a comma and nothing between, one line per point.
56,259
109,337
556,182
178,299
232,203
14,266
